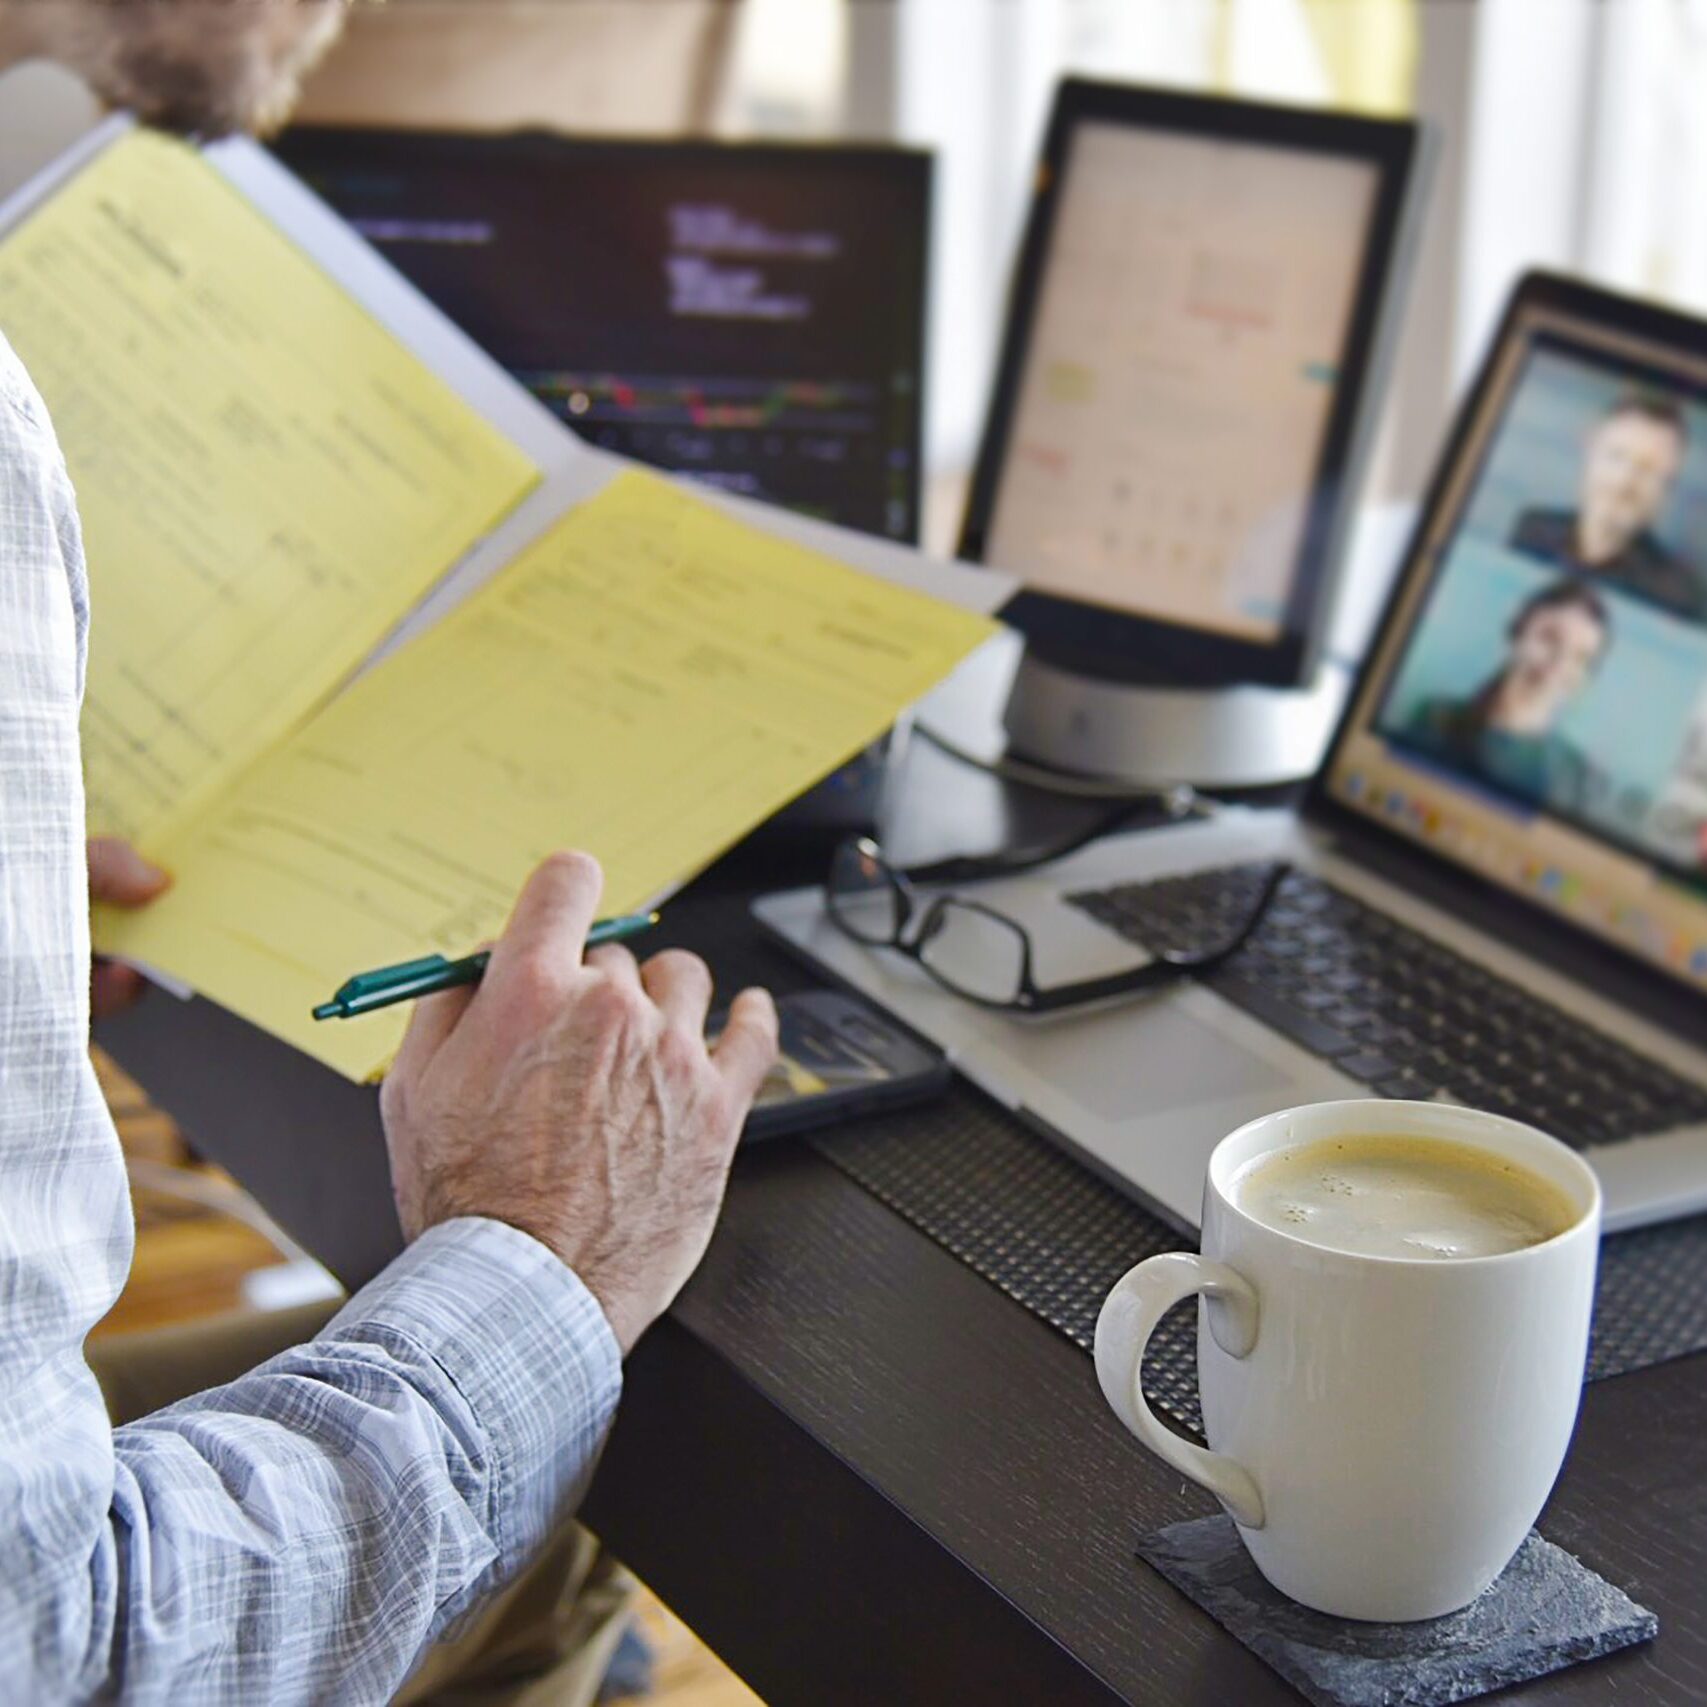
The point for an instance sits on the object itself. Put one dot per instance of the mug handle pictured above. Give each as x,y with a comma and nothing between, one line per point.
1141,1297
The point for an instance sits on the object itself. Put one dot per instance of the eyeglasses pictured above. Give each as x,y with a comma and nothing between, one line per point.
979,953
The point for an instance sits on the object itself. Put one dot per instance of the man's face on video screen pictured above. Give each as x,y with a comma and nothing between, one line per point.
1631,462
1555,651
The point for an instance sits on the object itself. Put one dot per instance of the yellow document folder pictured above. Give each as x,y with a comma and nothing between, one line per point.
268,478
649,681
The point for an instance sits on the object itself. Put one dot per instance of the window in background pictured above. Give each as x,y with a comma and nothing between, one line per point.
1647,184
1586,150
788,68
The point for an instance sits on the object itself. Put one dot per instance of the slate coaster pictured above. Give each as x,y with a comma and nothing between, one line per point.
1546,1611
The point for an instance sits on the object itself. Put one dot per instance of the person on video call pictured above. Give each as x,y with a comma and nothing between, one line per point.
1507,731
394,1486
1630,463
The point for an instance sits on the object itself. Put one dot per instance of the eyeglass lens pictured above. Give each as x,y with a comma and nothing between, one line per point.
977,953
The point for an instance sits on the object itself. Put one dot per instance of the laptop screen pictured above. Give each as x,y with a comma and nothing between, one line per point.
749,315
1536,709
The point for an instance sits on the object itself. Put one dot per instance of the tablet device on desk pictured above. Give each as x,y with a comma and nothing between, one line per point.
1201,314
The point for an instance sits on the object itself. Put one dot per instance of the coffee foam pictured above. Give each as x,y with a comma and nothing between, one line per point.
1407,1197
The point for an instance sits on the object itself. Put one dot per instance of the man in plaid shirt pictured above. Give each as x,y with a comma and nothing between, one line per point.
559,1141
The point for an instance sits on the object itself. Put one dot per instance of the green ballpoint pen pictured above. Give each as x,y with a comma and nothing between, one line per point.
408,979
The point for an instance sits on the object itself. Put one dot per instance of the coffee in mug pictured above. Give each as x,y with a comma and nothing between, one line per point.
1402,1196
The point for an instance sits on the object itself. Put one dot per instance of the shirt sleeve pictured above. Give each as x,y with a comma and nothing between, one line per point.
303,1533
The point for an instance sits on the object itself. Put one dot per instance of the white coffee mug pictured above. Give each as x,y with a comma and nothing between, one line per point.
1383,1430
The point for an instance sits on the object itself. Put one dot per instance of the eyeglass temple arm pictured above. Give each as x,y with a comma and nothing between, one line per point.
1226,950
1164,969
1153,973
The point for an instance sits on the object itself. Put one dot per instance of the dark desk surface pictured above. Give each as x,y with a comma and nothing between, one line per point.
865,1475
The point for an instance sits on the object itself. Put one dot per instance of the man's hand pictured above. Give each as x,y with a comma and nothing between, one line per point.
120,876
577,1100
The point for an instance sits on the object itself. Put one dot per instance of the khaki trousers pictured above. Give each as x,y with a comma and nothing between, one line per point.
546,1640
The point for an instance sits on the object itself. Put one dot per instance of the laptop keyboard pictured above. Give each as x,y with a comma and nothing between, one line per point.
1399,1012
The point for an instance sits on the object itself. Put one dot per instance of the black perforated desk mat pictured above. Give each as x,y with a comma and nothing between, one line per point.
1055,1238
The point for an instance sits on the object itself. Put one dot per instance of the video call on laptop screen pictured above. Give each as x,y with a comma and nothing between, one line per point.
1537,708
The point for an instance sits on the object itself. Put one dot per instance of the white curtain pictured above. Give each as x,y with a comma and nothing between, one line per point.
1644,225
1586,150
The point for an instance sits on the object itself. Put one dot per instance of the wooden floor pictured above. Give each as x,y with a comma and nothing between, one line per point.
192,1261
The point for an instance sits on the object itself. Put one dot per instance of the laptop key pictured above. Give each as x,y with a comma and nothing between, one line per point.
1368,1066
1356,1021
1407,1087
1303,1028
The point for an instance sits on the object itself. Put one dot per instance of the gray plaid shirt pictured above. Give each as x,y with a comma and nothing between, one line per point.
303,1533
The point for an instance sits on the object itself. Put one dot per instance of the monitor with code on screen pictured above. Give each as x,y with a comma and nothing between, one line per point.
751,315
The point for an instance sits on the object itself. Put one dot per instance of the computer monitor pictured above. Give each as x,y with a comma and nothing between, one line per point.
749,315
1198,322
1535,707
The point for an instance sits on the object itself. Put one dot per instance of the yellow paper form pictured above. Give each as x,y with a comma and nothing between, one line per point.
648,681
267,477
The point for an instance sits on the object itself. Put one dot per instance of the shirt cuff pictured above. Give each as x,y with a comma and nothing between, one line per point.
526,1345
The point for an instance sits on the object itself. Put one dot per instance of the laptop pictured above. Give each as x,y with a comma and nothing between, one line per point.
1499,872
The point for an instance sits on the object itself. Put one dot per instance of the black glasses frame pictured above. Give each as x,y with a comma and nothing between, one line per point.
929,917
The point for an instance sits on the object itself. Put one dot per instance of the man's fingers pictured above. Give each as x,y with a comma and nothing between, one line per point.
120,875
540,950
747,1049
680,983
113,987
434,1019
617,964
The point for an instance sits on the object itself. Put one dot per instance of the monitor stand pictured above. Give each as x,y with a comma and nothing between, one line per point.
1240,736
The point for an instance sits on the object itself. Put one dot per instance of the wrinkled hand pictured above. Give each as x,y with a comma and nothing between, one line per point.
578,1100
120,876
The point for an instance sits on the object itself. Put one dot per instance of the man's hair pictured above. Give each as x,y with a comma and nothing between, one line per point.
1569,594
1467,722
1652,406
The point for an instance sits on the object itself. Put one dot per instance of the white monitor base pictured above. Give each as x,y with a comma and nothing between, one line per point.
1232,737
